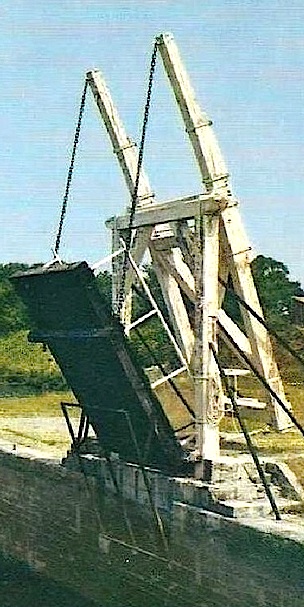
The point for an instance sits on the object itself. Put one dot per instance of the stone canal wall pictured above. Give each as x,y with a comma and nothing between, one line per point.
91,526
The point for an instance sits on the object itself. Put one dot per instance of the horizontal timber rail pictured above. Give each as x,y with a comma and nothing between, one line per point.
171,210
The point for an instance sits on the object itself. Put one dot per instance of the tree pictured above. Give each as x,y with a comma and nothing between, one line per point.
13,314
275,289
276,292
104,280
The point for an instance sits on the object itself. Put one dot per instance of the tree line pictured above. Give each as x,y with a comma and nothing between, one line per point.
275,289
274,285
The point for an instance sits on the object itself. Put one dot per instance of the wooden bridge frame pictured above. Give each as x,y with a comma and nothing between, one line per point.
190,261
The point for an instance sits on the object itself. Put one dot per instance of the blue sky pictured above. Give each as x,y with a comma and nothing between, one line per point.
246,62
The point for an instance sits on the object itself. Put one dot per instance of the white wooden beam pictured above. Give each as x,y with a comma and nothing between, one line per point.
207,383
174,302
164,379
262,352
198,125
173,264
170,211
123,147
237,335
183,276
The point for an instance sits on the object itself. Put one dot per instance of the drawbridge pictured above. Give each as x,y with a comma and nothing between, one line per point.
199,251
89,345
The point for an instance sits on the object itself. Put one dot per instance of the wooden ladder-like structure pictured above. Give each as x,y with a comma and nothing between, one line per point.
196,244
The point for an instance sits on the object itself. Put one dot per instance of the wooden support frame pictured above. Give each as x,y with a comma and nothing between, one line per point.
189,261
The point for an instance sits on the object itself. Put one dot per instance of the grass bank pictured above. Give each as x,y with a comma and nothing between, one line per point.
42,405
27,368
36,422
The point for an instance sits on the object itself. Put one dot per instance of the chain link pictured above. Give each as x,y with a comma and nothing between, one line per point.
71,168
134,198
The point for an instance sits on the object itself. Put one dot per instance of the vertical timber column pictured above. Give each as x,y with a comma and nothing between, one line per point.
116,265
207,393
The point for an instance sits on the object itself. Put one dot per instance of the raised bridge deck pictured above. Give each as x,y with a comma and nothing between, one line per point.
69,314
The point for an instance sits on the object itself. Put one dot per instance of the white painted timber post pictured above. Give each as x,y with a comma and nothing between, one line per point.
207,389
116,267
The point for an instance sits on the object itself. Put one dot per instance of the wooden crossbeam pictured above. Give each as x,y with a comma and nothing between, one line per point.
169,211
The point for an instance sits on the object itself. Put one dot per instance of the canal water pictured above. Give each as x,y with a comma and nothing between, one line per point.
21,588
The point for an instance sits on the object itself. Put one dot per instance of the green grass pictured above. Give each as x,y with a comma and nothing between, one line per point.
51,438
29,376
44,405
54,444
18,354
27,368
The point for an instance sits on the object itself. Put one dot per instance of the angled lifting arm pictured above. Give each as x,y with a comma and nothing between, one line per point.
123,147
127,156
198,125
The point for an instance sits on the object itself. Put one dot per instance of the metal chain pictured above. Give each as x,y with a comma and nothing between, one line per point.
70,171
134,198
